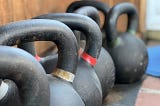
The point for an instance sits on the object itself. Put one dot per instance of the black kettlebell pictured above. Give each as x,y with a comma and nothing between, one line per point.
24,80
104,8
104,68
45,62
86,81
62,92
129,53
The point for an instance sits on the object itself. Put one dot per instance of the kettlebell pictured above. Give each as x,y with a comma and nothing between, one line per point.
104,68
62,92
23,80
86,81
128,52
104,8
45,62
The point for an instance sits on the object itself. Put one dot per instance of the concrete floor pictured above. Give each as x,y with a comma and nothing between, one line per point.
143,93
123,95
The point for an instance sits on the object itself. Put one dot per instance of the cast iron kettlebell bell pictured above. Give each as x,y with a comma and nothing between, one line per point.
25,80
129,53
62,92
86,81
104,68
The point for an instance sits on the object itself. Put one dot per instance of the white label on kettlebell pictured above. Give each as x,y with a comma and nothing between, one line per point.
3,90
64,74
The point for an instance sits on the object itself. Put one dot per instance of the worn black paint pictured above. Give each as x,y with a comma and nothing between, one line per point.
104,68
62,92
128,51
25,77
86,81
90,12
103,7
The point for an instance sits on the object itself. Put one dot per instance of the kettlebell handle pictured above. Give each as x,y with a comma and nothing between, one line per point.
97,4
114,13
90,12
44,30
27,73
82,23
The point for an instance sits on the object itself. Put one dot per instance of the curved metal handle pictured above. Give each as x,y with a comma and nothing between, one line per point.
114,13
27,73
84,24
44,30
90,12
97,4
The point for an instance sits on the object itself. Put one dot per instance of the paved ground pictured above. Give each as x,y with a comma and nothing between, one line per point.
142,93
149,92
123,95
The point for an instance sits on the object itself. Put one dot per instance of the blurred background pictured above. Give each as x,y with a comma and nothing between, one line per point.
149,15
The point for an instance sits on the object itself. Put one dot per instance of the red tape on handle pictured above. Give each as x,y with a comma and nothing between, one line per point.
37,58
91,60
